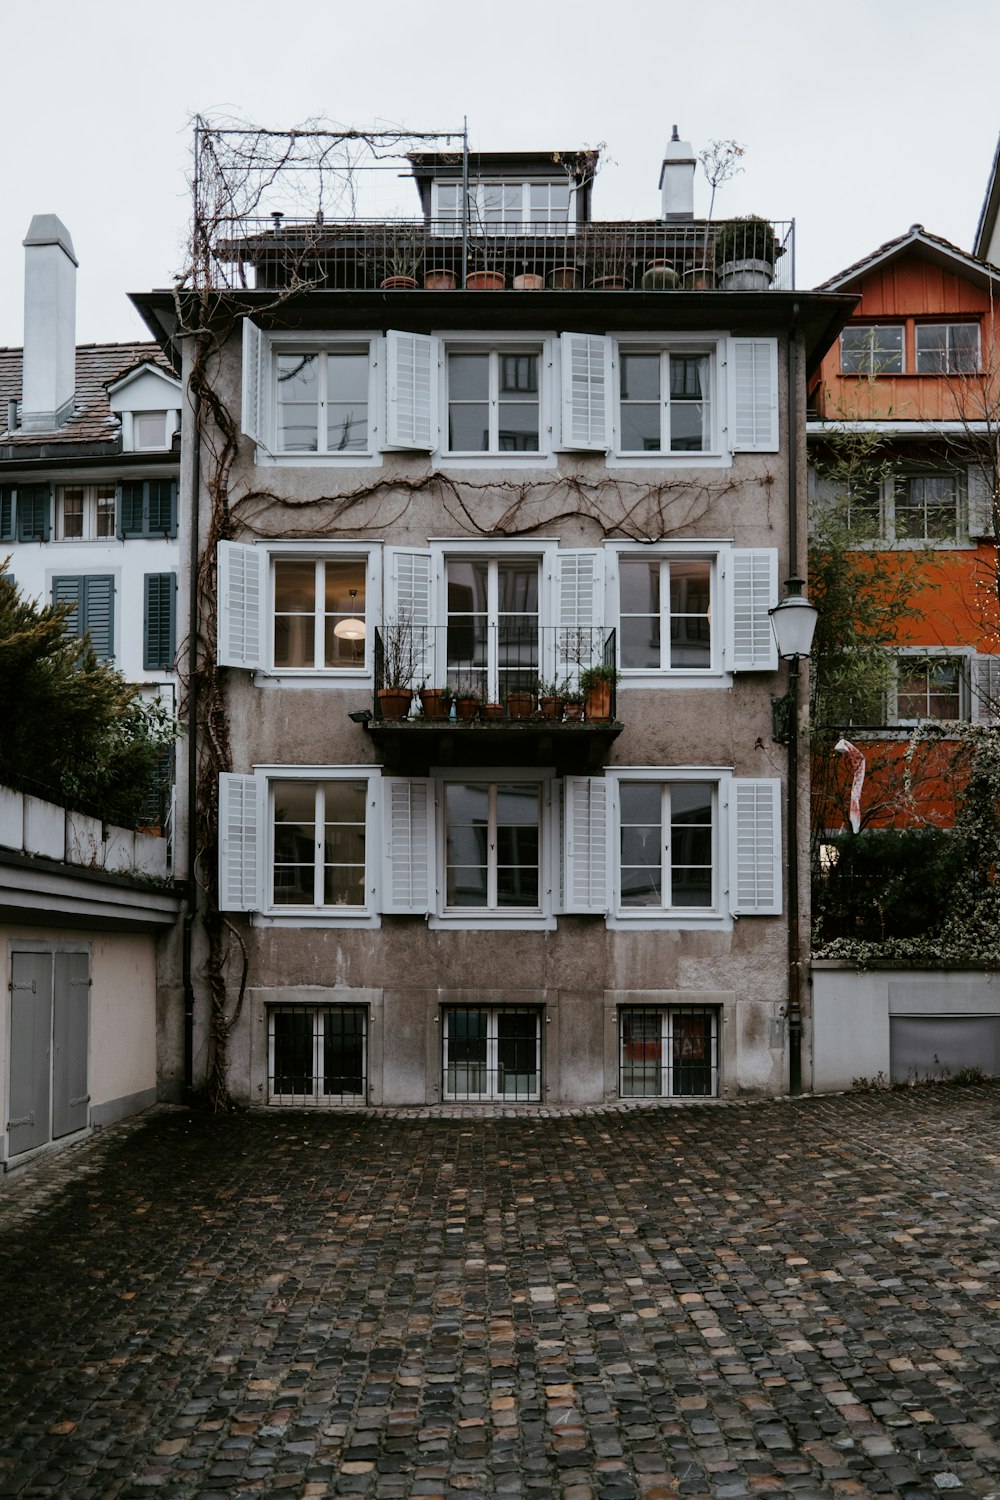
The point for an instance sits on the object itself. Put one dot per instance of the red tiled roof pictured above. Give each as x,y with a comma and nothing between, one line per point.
97,366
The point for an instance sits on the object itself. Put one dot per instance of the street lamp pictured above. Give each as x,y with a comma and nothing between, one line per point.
793,620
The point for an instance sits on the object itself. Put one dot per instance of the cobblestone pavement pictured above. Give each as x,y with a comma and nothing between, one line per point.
798,1297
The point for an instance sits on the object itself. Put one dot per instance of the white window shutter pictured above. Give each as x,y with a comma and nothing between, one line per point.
585,826
755,847
241,842
254,417
986,689
980,501
408,833
751,590
411,390
753,395
409,595
579,610
586,391
241,587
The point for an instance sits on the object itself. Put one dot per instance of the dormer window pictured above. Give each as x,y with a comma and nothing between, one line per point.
504,207
149,430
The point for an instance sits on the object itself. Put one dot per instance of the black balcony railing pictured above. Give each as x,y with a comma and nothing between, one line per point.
444,254
512,669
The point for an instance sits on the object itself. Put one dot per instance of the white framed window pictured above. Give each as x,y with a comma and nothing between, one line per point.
668,847
686,610
494,399
872,349
85,512
493,637
492,834
669,1052
322,398
317,1054
929,506
665,402
476,848
149,431
682,847
665,613
504,206
947,348
931,685
298,610
298,843
492,1052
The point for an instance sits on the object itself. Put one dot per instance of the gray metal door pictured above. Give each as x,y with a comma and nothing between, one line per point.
70,1043
30,1050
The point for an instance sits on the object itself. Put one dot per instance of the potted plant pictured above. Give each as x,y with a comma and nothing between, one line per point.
573,707
521,703
660,276
563,278
399,665
745,252
595,685
440,279
528,281
492,711
608,262
551,700
435,702
401,263
467,702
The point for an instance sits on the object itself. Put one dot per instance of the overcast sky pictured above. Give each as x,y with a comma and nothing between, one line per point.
859,118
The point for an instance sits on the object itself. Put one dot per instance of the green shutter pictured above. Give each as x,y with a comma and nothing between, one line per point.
69,591
6,513
130,508
33,505
162,518
159,628
99,614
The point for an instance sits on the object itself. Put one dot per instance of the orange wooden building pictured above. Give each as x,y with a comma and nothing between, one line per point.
916,374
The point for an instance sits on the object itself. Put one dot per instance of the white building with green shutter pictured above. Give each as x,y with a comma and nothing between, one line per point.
89,460
495,490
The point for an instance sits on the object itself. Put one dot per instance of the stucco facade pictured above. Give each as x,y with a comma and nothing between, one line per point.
529,911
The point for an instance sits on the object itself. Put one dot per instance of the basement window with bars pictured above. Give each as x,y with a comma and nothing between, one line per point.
670,1052
317,1054
492,1053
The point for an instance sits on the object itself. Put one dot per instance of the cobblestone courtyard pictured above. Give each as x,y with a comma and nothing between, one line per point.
793,1297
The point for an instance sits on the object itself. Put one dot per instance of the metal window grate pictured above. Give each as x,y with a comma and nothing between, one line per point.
669,1053
317,1054
492,1054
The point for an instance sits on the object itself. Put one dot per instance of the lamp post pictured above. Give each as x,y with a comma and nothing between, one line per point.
793,620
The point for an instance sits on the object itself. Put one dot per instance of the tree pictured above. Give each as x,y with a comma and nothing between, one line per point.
73,730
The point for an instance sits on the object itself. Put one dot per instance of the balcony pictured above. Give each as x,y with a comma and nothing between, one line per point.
446,255
512,693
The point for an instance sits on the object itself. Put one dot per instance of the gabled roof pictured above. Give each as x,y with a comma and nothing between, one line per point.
931,246
143,367
97,367
991,206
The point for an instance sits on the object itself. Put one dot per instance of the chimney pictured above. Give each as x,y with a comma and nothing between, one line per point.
49,375
677,179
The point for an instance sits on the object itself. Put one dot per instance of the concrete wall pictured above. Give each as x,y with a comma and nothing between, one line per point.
901,1023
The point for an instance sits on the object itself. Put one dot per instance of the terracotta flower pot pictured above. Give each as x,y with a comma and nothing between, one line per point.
394,702
485,281
468,708
528,282
520,705
398,284
562,278
574,712
609,284
435,704
550,707
492,711
440,281
597,703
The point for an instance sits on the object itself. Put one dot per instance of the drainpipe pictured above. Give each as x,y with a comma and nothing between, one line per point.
794,967
192,749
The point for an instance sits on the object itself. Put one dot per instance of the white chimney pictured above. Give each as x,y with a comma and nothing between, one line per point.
49,375
677,179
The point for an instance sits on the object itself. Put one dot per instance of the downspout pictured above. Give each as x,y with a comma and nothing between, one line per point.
794,968
192,747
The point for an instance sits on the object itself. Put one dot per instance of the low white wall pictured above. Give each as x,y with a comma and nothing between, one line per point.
853,1014
32,826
